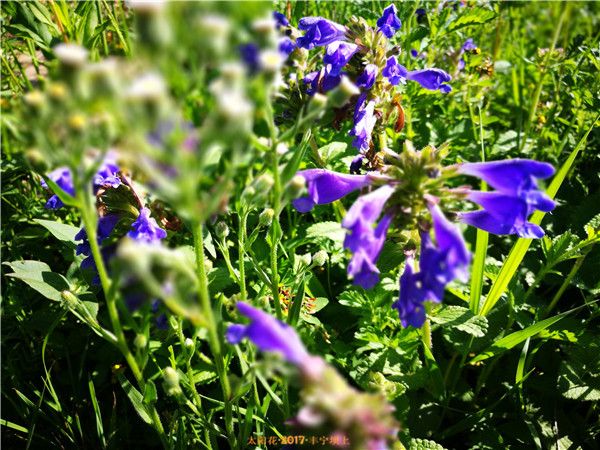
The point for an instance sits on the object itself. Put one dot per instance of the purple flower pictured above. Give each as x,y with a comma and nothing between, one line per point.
363,239
63,178
108,174
505,214
268,334
420,12
145,229
432,79
325,186
280,19
106,225
414,52
286,45
513,176
364,122
468,46
250,56
368,77
319,31
394,72
389,22
410,303
337,55
439,264
320,81
312,80
517,195
452,248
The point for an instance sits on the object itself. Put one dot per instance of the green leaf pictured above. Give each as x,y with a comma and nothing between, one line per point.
476,16
293,164
331,151
136,398
576,382
424,444
327,230
518,251
462,319
60,231
38,275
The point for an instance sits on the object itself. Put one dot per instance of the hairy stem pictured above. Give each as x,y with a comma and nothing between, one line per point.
211,325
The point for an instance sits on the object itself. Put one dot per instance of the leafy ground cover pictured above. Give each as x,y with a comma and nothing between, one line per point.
373,228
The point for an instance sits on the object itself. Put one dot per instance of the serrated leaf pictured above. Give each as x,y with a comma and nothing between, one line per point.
332,150
476,16
462,319
424,444
577,382
327,230
61,231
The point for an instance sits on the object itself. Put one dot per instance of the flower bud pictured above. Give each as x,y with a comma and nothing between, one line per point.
36,159
69,299
35,98
71,55
317,102
320,258
265,26
222,230
265,219
171,381
271,61
140,341
149,86
343,93
282,149
57,90
305,259
189,345
77,122
213,31
296,186
264,183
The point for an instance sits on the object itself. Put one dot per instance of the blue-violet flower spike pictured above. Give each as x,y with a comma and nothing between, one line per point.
410,303
280,19
389,22
432,79
364,122
511,175
363,239
325,186
367,78
145,229
319,31
268,334
394,72
337,55
62,177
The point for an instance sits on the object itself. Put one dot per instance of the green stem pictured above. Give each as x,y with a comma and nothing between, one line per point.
213,337
564,285
426,334
89,224
241,253
543,71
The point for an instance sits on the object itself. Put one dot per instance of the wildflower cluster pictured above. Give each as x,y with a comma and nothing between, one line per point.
406,190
